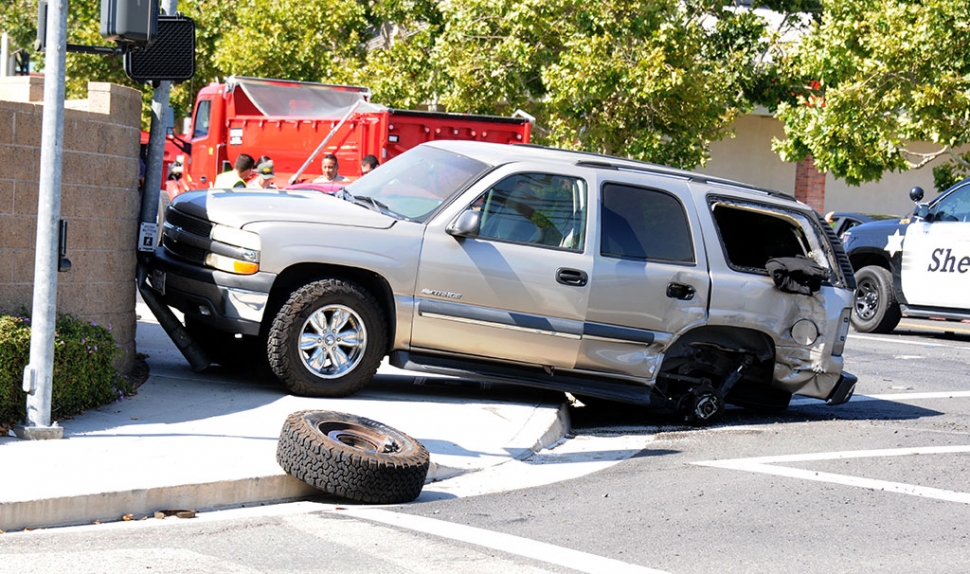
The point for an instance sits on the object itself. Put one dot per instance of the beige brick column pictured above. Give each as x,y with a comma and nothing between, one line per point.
99,201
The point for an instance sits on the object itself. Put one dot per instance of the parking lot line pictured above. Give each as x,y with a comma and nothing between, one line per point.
541,551
771,465
948,327
898,397
926,344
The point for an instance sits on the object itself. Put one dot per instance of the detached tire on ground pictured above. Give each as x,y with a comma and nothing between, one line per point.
352,457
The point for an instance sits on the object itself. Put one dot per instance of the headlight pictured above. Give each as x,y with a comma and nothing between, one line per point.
231,264
234,236
804,332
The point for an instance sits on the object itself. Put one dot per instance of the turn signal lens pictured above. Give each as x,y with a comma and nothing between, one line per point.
223,263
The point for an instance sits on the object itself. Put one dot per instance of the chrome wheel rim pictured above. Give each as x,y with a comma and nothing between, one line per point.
866,300
332,341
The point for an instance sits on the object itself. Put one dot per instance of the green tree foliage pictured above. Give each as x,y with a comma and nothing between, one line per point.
889,72
293,39
83,376
650,79
657,80
399,68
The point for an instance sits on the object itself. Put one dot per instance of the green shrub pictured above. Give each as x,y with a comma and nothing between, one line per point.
83,378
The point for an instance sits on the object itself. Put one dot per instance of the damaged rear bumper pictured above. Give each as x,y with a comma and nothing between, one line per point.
843,389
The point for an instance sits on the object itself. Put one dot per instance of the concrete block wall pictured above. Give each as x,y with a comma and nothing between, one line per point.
747,156
99,200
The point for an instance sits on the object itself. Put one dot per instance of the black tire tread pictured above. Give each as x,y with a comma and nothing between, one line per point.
889,315
335,468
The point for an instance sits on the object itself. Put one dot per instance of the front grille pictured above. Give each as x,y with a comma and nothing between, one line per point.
185,236
189,223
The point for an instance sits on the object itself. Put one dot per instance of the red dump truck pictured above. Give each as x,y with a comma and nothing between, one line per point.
295,123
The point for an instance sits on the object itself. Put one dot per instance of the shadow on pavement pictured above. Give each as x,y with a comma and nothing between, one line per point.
621,415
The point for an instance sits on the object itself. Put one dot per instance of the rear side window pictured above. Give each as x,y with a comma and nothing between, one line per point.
641,223
751,235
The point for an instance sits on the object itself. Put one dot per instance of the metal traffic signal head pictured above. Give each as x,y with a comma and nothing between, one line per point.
129,21
170,56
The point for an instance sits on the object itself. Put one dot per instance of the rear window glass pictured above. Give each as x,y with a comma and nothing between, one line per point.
641,223
751,235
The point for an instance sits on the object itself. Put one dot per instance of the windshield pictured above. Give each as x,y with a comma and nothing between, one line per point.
417,182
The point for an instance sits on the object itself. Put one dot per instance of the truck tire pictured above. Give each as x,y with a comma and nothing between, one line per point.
328,339
875,309
352,457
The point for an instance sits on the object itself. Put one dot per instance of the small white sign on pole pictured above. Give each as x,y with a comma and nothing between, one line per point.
147,236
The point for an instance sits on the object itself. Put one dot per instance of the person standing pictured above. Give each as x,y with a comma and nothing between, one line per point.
368,164
238,176
265,173
329,166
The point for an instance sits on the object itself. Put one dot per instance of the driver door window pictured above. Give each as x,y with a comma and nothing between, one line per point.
955,206
535,208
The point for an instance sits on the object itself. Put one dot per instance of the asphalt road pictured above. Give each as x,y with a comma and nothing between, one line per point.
877,485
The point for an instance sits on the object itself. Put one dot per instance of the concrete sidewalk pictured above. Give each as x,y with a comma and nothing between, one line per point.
201,441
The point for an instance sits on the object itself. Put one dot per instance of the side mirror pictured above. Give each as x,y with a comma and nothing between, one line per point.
468,224
916,193
922,211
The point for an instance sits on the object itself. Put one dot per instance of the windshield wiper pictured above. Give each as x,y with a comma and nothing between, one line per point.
367,199
372,204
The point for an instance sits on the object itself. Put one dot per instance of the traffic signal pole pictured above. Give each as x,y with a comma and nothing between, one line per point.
156,149
38,375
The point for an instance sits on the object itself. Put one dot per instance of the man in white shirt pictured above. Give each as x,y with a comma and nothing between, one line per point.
329,167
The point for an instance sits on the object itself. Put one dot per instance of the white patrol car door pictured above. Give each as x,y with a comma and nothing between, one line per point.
935,270
651,277
518,291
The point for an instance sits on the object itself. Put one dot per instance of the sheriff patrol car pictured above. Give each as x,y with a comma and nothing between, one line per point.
918,266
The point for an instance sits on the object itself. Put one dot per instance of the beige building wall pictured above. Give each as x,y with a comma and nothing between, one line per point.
99,200
748,158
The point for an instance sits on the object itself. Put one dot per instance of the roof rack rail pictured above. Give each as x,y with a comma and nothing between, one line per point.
670,171
642,166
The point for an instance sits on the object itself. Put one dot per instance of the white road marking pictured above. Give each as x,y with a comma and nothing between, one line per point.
916,396
769,465
510,544
898,397
904,342
568,459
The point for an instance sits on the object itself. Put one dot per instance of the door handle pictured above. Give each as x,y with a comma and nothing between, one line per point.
572,277
680,291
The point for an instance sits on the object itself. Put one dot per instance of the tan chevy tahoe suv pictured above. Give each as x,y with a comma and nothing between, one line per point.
603,277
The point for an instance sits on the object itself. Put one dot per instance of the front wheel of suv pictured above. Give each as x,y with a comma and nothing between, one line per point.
328,339
875,309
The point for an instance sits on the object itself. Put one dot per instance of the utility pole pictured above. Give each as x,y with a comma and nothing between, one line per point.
156,151
39,373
